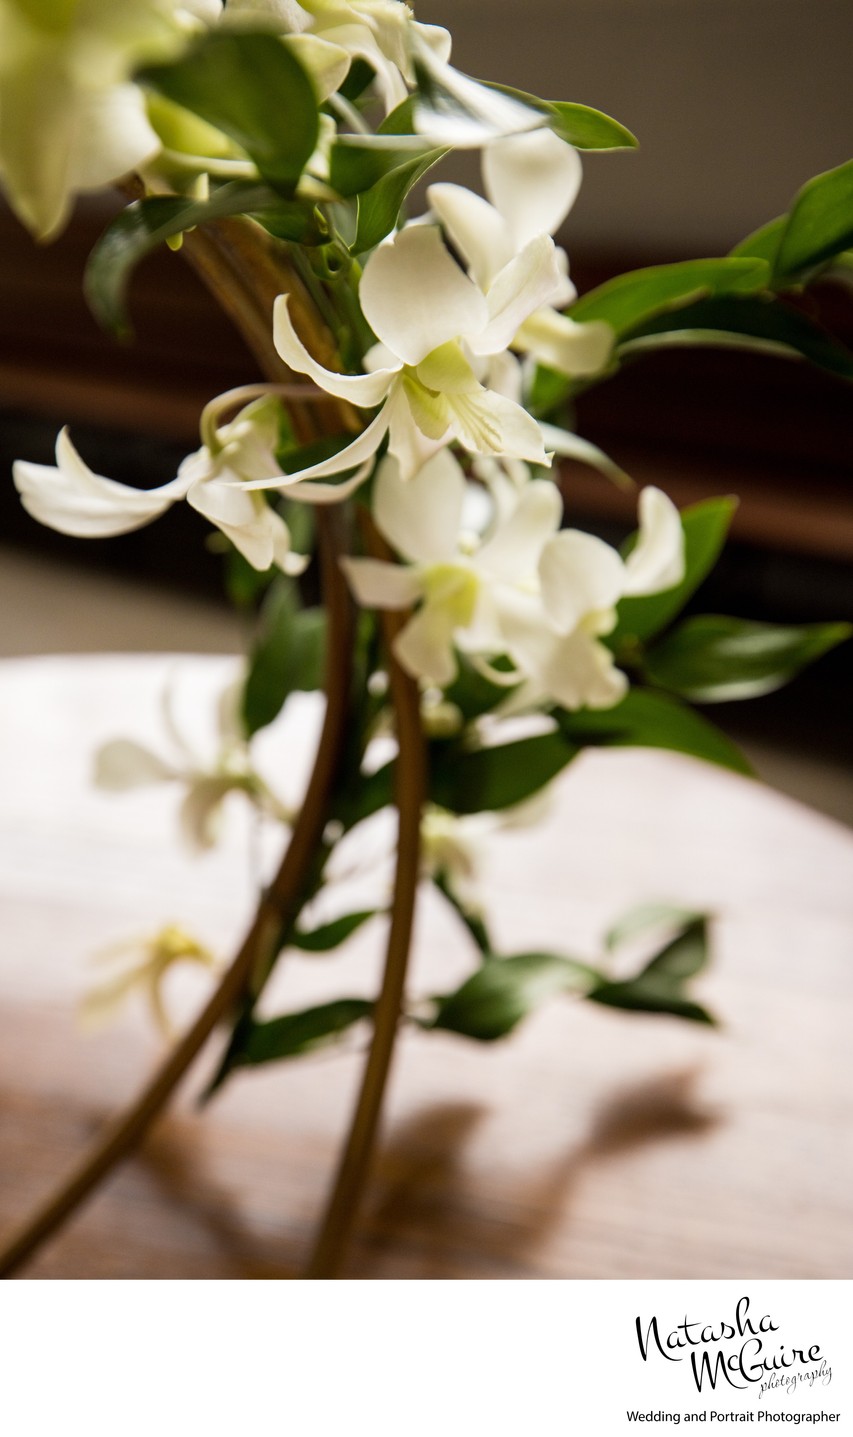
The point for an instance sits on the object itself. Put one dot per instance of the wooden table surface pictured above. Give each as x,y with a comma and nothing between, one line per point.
590,1144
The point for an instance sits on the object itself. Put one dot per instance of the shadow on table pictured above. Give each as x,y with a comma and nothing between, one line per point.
429,1215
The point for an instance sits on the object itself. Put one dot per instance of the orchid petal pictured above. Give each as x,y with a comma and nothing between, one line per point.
415,297
581,673
580,575
380,585
484,634
327,63
486,423
566,292
420,517
446,370
123,764
255,530
512,553
418,423
563,344
308,493
471,114
657,560
74,500
288,14
533,180
102,1004
229,713
201,811
424,647
358,41
436,38
475,228
573,669
114,136
522,287
362,448
365,390
505,376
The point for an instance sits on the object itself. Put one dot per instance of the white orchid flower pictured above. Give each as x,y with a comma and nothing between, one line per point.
123,764
141,964
453,847
553,636
540,597
70,119
456,847
459,580
531,181
327,35
433,323
74,500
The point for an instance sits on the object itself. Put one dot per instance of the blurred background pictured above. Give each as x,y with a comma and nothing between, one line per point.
736,103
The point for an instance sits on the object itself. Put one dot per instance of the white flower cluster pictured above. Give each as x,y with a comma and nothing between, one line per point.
461,301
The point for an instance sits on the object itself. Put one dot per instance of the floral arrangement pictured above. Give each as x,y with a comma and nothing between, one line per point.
417,383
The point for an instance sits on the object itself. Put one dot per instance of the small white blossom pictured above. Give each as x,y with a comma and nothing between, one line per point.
553,635
433,323
524,590
142,965
453,847
327,35
458,579
74,500
123,764
70,118
531,181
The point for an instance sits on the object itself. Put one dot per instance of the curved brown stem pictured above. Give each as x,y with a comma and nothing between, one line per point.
259,947
247,303
410,791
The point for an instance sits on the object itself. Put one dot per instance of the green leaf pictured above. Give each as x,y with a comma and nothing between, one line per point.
762,243
589,129
296,1033
652,720
578,125
632,300
820,224
842,266
400,121
767,325
288,656
496,998
331,935
290,220
470,781
713,658
659,987
549,390
142,227
250,86
359,162
647,915
379,207
705,528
